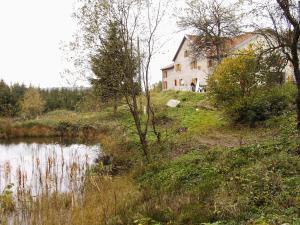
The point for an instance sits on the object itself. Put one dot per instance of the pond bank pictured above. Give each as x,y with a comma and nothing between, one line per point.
10,131
107,186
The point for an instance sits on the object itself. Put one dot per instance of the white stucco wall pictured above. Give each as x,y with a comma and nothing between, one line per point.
171,76
187,74
259,40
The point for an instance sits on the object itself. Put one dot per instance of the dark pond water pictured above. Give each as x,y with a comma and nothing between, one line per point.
41,166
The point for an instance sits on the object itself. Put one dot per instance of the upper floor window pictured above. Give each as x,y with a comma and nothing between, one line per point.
186,53
177,67
194,64
165,74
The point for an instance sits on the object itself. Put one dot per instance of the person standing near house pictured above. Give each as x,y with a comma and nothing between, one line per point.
193,86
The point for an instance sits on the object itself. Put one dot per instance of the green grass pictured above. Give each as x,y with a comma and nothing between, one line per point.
232,186
211,172
56,117
257,183
188,114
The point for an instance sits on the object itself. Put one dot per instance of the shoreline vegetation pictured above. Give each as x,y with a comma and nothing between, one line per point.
207,171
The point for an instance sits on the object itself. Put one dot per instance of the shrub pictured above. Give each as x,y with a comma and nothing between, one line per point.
249,89
7,204
33,104
234,77
262,104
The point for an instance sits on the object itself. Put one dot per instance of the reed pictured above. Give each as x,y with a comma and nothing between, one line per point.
53,191
100,201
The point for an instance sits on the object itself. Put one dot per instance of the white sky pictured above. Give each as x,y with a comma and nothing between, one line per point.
30,36
30,33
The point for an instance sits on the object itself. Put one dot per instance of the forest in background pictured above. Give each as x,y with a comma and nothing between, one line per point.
12,97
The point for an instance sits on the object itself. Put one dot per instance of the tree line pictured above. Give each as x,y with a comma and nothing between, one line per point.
16,99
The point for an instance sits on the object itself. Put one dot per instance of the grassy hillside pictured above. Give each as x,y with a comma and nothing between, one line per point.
217,173
207,171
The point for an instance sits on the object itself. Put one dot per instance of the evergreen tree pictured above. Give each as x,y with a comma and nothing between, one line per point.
107,66
17,93
5,99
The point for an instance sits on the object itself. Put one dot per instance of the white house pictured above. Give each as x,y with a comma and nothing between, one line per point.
189,73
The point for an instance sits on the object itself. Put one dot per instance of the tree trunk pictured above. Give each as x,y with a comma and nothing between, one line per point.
219,57
157,133
297,77
295,62
298,108
144,145
137,121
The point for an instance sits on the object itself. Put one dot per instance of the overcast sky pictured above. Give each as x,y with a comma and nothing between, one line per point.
30,36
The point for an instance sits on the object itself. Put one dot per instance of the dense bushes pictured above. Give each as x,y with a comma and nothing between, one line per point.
263,104
250,89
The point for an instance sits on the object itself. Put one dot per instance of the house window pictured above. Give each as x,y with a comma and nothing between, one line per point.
177,67
165,85
194,64
165,74
186,53
175,83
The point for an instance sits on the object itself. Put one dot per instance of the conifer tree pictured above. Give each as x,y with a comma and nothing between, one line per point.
107,67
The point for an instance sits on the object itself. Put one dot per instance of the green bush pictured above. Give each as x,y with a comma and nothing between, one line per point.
7,203
263,104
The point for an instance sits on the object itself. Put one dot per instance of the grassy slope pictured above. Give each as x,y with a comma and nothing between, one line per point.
227,175
211,172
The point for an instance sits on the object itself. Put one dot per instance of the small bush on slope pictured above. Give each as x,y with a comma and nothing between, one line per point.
262,104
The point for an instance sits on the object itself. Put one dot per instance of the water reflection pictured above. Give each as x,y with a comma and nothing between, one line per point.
36,168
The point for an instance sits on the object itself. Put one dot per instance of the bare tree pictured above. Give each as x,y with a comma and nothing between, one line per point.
279,25
214,21
138,22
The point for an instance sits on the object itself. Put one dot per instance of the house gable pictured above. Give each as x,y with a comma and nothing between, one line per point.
180,47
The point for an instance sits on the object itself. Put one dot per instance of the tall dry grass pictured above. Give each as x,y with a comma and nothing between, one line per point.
67,191
101,201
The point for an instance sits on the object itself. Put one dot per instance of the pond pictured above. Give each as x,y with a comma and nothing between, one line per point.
38,167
